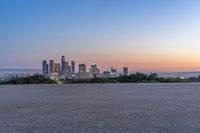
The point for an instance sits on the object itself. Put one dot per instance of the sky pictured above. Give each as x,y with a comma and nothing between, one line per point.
145,35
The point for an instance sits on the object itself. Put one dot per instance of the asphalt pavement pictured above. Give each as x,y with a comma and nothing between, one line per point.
100,108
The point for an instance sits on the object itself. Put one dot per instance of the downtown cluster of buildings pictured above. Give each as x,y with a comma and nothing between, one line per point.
66,69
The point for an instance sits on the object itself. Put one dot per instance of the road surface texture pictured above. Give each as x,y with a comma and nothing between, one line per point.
100,108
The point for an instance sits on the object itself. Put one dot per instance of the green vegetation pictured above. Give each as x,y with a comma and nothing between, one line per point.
133,78
36,79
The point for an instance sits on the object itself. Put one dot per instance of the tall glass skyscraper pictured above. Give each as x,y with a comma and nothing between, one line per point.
51,66
45,67
63,65
73,67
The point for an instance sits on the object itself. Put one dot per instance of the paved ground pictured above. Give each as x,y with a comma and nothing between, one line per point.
100,108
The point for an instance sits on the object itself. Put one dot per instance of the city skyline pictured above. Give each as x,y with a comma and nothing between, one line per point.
73,67
146,36
63,69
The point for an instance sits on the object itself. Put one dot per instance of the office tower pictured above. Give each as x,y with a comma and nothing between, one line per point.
63,65
113,70
125,71
45,67
51,66
94,71
57,68
67,68
73,67
66,64
82,68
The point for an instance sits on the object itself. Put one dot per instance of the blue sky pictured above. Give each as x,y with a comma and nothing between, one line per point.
146,35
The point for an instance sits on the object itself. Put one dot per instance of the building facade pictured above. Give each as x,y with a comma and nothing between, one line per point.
51,66
63,65
125,71
113,70
45,68
73,67
94,71
57,68
82,68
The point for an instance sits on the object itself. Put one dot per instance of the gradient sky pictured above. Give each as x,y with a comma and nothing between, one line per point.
145,35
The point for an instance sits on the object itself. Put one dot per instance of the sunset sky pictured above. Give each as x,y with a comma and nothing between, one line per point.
145,35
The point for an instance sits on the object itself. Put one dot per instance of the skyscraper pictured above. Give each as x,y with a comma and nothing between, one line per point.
51,66
82,68
66,64
45,67
113,70
94,71
63,65
73,67
82,74
57,68
67,68
125,71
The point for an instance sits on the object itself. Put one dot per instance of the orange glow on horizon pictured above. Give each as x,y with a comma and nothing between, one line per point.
137,60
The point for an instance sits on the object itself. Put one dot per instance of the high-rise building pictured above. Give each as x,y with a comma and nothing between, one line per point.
45,67
57,68
63,65
66,64
67,68
94,71
125,71
113,70
51,66
82,74
82,68
73,67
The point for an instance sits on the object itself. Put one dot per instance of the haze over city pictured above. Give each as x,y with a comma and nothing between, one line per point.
143,35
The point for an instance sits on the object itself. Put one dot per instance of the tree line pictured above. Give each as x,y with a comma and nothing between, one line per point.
35,79
133,78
